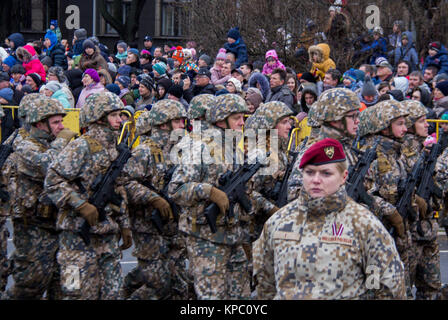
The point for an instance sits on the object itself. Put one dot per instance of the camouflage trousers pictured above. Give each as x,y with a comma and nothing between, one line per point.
34,266
90,272
220,271
4,262
161,272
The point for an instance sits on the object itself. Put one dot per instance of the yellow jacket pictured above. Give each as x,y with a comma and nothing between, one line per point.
325,63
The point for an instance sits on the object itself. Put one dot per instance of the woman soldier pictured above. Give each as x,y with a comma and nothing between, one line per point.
323,245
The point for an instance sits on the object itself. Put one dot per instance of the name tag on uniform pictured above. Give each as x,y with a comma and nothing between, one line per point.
337,240
282,235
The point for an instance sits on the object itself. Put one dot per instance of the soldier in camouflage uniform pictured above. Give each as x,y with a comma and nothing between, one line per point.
90,271
386,120
197,110
337,111
8,182
323,245
218,261
424,257
161,271
33,215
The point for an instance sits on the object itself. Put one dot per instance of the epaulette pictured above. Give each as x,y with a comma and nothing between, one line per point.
94,145
383,164
156,151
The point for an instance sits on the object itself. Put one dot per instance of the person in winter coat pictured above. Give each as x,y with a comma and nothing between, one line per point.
74,79
10,120
53,89
34,81
406,52
92,84
378,48
438,56
91,58
321,61
79,37
235,44
272,62
55,50
261,82
30,61
440,100
279,89
125,95
16,40
368,95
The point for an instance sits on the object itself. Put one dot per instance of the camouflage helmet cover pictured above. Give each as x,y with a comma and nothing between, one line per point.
225,105
416,110
199,105
143,124
272,112
97,106
313,116
380,116
27,103
334,104
43,109
166,110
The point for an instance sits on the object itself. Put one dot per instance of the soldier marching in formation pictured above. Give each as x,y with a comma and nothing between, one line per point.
205,214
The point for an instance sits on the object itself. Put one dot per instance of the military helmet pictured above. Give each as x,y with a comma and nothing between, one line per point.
225,105
27,103
165,110
416,110
143,124
272,112
313,116
43,108
380,116
334,104
97,106
199,105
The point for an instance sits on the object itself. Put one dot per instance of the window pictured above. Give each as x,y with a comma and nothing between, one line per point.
107,27
174,18
32,15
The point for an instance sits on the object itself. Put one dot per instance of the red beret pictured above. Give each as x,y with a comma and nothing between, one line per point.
323,152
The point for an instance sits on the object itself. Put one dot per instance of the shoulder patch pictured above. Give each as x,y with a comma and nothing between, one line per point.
94,145
383,164
156,151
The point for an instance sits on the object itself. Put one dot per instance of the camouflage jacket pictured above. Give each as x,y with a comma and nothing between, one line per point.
193,180
326,248
385,175
71,175
295,179
33,155
149,163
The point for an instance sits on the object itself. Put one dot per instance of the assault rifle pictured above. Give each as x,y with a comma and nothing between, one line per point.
233,184
280,191
103,186
5,151
156,218
355,183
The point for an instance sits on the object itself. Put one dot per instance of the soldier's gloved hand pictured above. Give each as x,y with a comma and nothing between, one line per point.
396,221
126,235
273,210
220,199
164,208
66,134
88,212
422,206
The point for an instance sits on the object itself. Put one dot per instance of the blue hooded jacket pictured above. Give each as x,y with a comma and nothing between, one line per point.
238,48
378,49
53,39
440,60
18,39
407,53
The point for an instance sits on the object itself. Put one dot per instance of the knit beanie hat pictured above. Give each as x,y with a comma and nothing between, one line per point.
170,62
124,81
176,90
444,116
93,74
88,44
114,88
254,96
7,94
134,51
443,87
18,68
368,89
46,61
36,78
160,67
206,59
81,34
53,86
147,82
308,77
435,46
234,33
350,74
122,45
236,83
10,61
124,70
178,54
221,54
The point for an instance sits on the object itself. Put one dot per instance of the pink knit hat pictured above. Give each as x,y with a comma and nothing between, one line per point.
221,54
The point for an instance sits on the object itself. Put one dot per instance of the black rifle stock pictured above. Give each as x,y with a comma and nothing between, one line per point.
280,191
103,188
233,184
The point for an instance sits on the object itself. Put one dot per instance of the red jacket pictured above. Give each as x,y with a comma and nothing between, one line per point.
34,65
